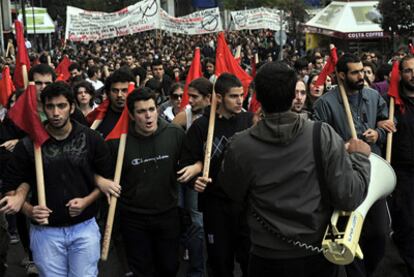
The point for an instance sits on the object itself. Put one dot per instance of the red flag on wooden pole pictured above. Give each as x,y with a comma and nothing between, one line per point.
328,68
24,114
225,62
393,90
22,58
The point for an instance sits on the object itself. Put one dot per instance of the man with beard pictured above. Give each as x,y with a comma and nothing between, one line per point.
291,173
300,99
42,75
116,87
367,108
72,155
401,202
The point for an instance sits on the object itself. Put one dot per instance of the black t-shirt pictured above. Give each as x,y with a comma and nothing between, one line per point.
69,166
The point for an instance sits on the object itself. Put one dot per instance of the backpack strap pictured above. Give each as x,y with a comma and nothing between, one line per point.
317,153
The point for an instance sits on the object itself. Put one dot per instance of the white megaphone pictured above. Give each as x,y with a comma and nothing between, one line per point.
340,243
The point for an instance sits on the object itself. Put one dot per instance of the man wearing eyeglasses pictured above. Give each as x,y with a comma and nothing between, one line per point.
367,108
401,204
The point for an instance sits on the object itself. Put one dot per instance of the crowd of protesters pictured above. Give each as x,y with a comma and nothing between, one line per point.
146,237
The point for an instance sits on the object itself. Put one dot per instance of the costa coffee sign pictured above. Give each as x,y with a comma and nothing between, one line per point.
365,35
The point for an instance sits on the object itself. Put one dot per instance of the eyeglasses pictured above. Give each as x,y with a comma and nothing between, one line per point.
40,83
176,96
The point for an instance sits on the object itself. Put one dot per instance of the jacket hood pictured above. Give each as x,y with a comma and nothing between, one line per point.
279,128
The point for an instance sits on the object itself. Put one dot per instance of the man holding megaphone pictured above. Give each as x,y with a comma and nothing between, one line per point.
291,173
367,108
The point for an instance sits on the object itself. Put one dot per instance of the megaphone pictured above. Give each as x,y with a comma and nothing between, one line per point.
340,243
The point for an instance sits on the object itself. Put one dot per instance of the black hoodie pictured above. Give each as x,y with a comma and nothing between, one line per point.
149,178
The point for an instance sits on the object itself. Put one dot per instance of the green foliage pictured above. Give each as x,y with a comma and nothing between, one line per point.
398,16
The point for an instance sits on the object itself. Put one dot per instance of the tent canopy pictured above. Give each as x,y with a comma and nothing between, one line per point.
43,23
350,20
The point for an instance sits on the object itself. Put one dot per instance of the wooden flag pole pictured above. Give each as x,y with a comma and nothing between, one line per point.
112,206
210,134
49,60
117,179
238,52
389,134
347,107
96,124
40,181
8,49
25,76
41,194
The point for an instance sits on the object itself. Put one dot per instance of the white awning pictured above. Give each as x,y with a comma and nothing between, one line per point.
351,20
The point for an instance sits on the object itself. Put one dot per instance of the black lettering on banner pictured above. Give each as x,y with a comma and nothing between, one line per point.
151,9
210,22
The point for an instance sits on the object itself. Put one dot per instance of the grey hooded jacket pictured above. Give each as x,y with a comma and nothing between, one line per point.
271,167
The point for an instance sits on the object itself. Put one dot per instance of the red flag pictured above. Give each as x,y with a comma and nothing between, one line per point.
393,89
328,68
62,70
253,65
254,104
225,62
98,113
194,73
121,126
24,114
21,58
6,86
411,48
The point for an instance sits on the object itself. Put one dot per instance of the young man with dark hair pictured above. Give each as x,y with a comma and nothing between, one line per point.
116,87
70,243
367,108
148,206
270,168
199,94
158,72
225,232
42,75
75,71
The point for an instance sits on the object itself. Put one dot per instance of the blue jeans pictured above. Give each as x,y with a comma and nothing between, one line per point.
193,238
71,251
